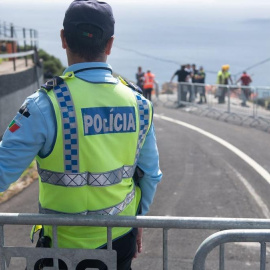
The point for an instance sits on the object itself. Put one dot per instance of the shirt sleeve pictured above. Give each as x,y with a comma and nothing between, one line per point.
149,162
23,140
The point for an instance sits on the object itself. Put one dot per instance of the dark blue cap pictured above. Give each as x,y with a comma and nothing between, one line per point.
93,13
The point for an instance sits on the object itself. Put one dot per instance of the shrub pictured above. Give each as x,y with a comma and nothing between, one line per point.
52,66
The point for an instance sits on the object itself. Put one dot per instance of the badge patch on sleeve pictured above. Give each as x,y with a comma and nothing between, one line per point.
105,120
24,111
13,126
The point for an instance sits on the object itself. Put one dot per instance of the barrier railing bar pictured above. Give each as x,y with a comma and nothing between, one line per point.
165,249
263,256
139,221
19,54
17,39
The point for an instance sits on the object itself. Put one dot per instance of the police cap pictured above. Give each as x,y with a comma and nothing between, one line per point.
89,19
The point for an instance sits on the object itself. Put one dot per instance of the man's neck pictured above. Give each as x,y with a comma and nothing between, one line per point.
75,59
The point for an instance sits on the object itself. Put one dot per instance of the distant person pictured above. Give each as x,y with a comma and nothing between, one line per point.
194,72
148,85
188,69
200,77
245,80
223,79
182,76
140,77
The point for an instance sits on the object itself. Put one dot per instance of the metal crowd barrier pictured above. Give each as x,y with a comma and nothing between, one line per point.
72,257
18,42
239,104
231,236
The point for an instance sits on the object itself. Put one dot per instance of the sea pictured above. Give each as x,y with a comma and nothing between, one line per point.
162,35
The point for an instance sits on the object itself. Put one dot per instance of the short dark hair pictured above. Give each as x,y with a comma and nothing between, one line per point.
80,44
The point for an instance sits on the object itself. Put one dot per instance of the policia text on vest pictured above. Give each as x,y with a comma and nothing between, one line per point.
108,120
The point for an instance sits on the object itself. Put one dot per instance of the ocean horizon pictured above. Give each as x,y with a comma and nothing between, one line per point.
162,37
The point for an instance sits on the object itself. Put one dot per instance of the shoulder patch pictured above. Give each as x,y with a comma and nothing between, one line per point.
131,85
50,84
24,111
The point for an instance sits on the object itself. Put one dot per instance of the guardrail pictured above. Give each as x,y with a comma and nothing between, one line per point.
72,257
17,42
240,104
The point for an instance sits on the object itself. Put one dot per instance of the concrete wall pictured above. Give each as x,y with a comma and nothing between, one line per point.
14,88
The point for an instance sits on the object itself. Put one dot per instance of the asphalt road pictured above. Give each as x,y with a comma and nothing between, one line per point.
202,178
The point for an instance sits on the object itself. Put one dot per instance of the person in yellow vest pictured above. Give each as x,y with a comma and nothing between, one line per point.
223,78
93,139
149,83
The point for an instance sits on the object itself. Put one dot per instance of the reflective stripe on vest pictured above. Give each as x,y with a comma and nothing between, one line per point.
114,210
70,128
71,158
86,178
222,77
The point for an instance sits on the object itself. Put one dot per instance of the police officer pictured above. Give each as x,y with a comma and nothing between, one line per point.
88,131
223,79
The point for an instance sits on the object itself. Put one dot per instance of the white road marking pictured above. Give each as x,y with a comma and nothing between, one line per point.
252,192
257,167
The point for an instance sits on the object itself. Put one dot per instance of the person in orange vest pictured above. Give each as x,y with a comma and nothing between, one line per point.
148,86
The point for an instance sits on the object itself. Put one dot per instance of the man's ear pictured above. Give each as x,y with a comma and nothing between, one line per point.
63,39
109,46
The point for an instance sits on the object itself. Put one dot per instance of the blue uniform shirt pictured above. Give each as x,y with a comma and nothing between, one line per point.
34,128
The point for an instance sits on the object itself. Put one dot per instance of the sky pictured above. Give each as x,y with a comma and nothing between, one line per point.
205,15
162,2
257,9
259,4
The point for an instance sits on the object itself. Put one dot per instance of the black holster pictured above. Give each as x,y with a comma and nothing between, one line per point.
43,242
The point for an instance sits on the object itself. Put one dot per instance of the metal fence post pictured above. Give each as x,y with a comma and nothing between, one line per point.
109,238
55,245
179,94
13,47
256,103
263,256
165,249
192,99
31,38
4,29
221,256
24,42
2,244
229,98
